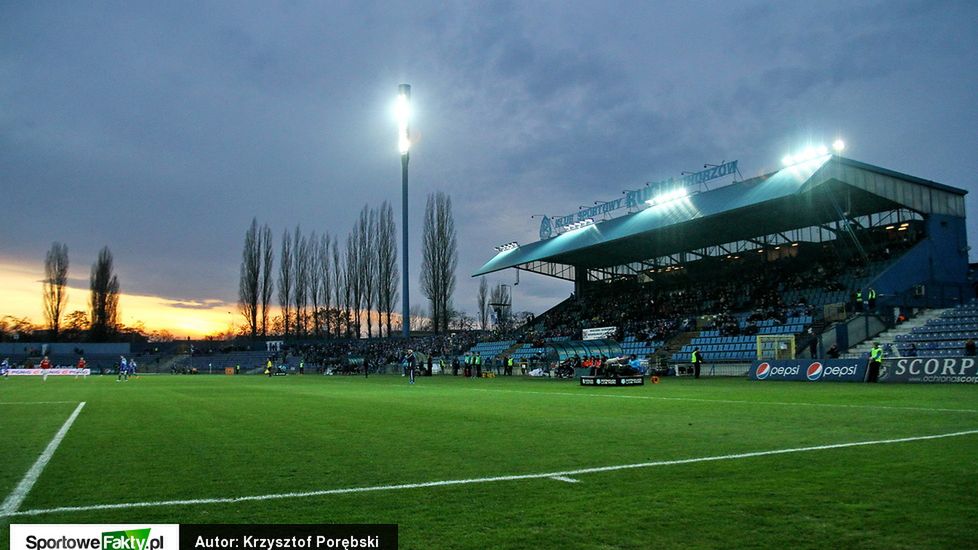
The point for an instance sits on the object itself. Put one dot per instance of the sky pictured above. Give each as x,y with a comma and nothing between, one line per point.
160,129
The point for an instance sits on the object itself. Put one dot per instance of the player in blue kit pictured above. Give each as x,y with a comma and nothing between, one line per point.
410,363
123,369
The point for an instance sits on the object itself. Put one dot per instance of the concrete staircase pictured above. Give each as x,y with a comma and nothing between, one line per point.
889,337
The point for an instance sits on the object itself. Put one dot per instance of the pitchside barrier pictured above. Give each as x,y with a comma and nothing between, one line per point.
930,370
616,381
47,372
828,370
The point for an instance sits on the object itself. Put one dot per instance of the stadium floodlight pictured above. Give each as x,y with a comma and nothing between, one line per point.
838,145
507,246
402,109
579,224
808,153
668,196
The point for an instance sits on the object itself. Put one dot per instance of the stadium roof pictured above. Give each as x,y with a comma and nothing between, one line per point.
818,191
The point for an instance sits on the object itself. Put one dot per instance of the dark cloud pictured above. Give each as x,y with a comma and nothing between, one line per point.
161,129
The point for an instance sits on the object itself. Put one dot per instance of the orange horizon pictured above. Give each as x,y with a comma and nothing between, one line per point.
195,318
23,297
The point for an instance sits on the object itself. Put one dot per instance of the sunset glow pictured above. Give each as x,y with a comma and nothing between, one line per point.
22,297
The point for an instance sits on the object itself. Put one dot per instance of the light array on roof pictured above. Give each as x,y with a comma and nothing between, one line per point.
507,246
580,224
808,153
668,196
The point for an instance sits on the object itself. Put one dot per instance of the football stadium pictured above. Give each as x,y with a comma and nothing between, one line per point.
785,360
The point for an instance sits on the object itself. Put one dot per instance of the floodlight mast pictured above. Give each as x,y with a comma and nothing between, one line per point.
403,110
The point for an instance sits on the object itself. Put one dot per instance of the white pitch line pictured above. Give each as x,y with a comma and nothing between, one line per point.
519,477
565,479
36,402
735,401
17,496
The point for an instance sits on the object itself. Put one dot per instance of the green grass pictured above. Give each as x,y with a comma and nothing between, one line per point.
174,438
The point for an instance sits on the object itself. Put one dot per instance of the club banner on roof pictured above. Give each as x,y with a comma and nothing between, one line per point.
635,198
811,370
930,370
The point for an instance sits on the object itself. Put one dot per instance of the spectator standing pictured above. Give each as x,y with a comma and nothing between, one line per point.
697,360
875,361
969,348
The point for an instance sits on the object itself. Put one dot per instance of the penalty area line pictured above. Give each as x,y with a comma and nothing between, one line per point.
17,496
519,477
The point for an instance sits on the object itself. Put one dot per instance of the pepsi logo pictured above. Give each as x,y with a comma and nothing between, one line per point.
814,371
763,370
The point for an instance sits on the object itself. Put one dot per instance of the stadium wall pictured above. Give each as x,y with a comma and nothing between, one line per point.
64,348
940,262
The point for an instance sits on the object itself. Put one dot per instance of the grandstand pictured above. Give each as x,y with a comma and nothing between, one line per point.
784,253
944,336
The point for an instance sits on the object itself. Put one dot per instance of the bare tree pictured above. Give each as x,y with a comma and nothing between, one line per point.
368,262
300,278
440,258
249,281
325,279
483,302
387,271
354,279
339,289
501,302
104,300
285,282
268,258
315,282
55,286
418,320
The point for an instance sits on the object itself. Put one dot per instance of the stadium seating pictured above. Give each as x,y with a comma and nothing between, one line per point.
740,348
942,337
489,350
632,346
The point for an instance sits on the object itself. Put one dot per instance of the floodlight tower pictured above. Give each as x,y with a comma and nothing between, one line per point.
403,111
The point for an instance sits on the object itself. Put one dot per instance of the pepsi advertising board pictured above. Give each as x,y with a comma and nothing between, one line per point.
810,370
931,370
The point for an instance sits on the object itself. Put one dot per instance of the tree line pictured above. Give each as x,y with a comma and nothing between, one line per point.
99,323
328,286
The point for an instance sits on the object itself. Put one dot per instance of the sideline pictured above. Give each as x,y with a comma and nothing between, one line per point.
551,475
36,402
17,496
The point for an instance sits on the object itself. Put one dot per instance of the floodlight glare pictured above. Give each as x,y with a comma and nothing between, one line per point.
402,110
668,196
807,154
838,145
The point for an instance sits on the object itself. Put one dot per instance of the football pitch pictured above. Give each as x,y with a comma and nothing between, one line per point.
502,463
